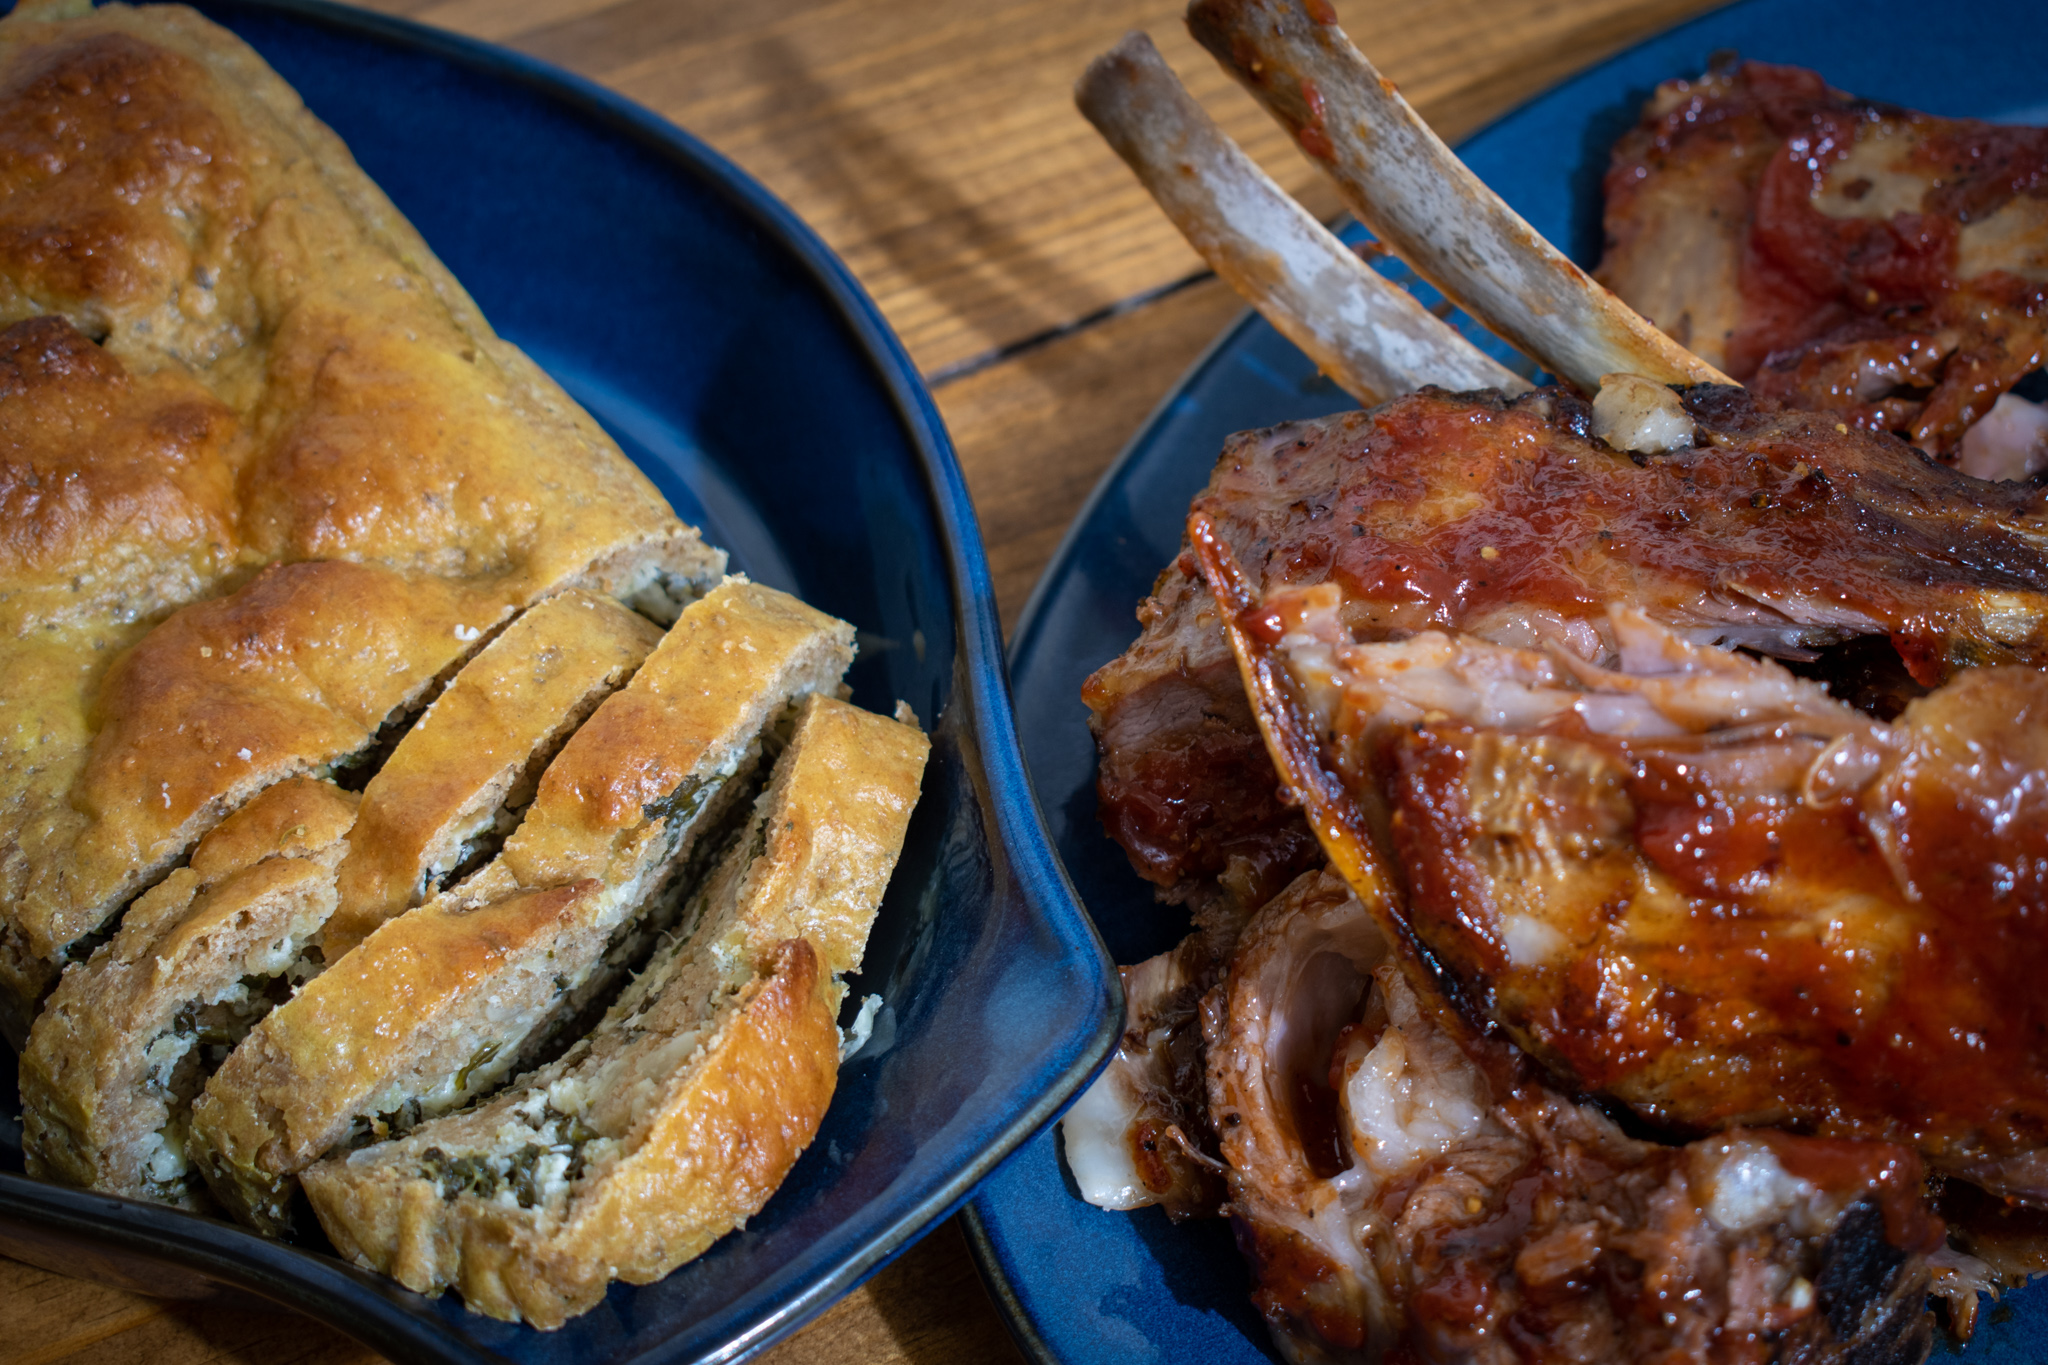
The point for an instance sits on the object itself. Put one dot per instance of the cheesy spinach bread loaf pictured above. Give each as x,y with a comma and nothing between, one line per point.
673,1120
221,348
446,1001
370,721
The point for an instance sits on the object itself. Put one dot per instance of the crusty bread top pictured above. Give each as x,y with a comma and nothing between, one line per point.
445,996
117,490
298,669
732,1088
729,662
843,795
301,817
694,1095
162,187
508,706
222,347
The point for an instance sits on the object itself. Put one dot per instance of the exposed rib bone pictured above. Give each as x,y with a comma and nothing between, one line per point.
1418,198
1366,333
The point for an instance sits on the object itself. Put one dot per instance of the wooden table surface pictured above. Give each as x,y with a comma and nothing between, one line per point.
935,146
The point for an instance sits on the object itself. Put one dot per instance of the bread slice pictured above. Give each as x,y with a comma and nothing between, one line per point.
677,1117
128,1037
441,1003
241,354
296,672
469,765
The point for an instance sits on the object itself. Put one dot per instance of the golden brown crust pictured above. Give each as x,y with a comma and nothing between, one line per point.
246,358
297,670
236,352
843,810
103,1103
732,660
288,1092
94,460
168,189
297,818
113,110
717,1144
441,1002
471,751
675,1119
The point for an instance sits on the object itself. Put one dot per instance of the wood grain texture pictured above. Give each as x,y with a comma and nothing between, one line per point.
1035,432
935,146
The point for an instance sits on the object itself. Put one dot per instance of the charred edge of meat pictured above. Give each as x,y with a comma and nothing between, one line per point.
1872,1298
1339,824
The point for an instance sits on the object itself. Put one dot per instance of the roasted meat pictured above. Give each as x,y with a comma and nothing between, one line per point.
1681,877
1406,1190
1140,1135
1777,532
1503,651
1839,254
1185,786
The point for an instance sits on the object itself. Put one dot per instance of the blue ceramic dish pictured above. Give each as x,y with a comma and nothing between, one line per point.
1080,1285
740,364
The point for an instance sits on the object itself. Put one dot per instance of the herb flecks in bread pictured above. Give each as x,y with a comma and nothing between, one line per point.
672,1122
227,348
129,1036
297,671
268,485
465,771
443,1002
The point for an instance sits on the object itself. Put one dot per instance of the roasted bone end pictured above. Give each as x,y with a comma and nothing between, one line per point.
1363,331
1411,190
1640,416
1141,1135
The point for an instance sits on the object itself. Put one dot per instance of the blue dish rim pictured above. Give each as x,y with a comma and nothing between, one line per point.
330,1289
979,1245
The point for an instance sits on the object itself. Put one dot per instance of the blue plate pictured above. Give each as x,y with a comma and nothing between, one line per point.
743,368
1081,1285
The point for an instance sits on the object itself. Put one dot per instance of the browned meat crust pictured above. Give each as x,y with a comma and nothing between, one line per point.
1184,784
1682,878
1833,253
1779,532
1405,1191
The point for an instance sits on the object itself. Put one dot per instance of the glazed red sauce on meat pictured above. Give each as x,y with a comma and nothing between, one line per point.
1806,275
1544,518
1891,1172
1198,794
1959,1046
1813,271
1294,1281
1868,317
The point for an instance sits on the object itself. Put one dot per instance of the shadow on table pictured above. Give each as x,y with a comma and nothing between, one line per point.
973,264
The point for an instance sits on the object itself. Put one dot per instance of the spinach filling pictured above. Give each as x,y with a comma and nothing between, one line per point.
521,1172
